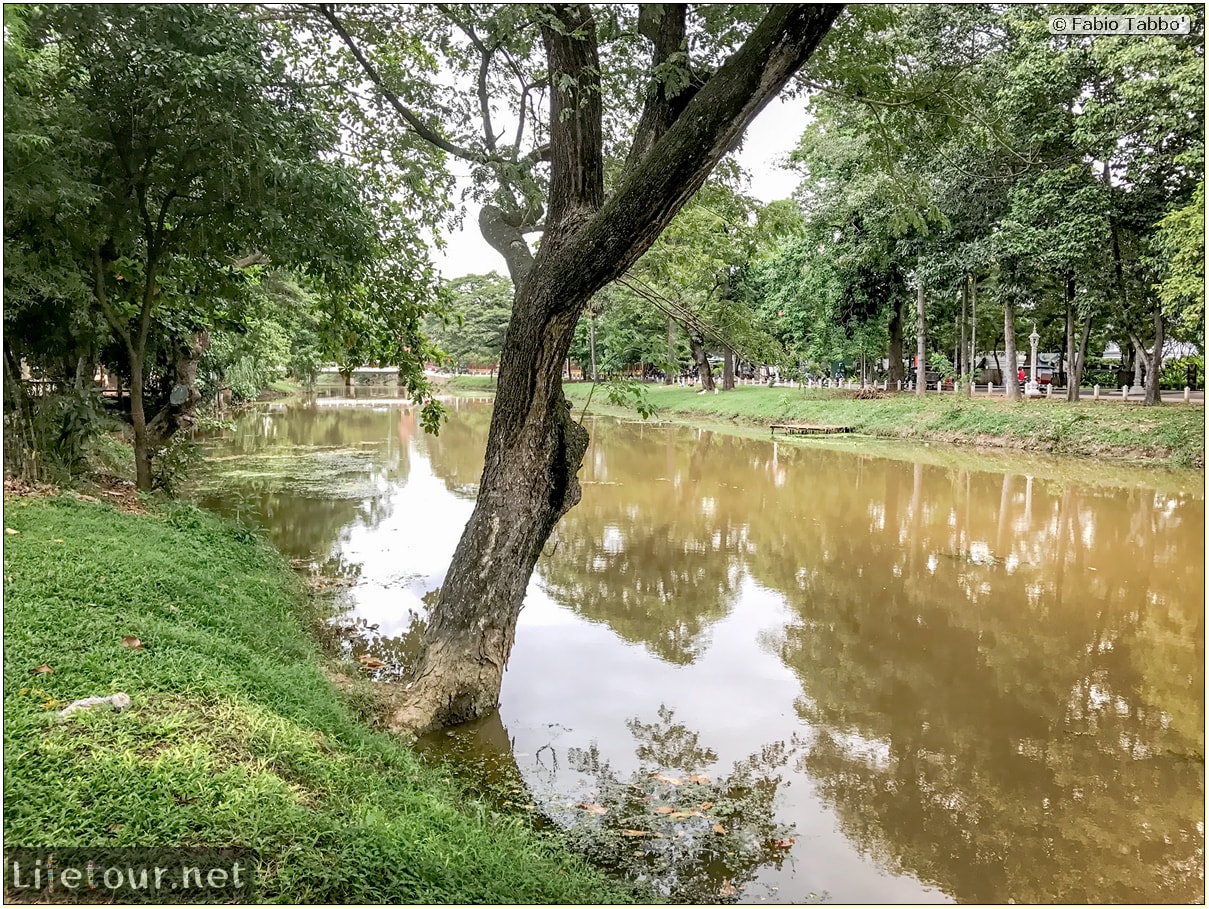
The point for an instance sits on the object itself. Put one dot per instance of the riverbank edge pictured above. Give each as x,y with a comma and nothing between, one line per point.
1170,436
237,735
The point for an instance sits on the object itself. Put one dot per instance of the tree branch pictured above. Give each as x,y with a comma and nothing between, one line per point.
576,133
664,25
678,163
485,55
410,117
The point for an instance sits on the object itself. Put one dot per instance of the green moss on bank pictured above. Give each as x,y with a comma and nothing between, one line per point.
235,737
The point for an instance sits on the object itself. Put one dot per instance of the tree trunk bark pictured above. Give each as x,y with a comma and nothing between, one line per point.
963,362
701,358
138,419
534,447
921,342
669,377
1012,383
178,414
895,354
973,334
592,343
728,369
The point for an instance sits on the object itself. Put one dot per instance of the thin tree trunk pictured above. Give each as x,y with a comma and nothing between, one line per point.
701,358
728,369
138,419
1012,381
921,342
896,342
973,334
963,357
592,343
669,376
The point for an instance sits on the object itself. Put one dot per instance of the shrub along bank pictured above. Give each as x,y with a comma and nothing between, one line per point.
235,737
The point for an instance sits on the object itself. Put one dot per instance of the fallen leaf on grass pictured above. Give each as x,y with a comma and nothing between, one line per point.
129,640
627,832
718,828
593,809
44,669
699,779
60,540
9,530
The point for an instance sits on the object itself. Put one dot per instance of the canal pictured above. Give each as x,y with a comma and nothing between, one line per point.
794,671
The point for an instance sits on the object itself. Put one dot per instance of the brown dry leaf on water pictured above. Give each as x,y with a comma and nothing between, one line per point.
628,832
677,815
706,806
718,828
129,640
727,889
699,779
368,662
44,669
670,780
783,844
593,809
664,809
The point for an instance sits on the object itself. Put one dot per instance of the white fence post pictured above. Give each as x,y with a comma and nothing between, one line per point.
1187,394
1095,392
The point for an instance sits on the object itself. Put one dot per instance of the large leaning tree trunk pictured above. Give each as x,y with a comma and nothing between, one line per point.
534,447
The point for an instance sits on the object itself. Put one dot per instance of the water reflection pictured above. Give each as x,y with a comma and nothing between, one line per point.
986,686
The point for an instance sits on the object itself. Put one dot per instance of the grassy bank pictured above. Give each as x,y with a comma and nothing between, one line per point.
235,737
1172,435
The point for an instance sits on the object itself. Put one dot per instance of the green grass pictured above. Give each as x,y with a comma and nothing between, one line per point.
1172,435
235,736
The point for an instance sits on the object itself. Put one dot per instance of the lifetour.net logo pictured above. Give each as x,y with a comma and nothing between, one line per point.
129,875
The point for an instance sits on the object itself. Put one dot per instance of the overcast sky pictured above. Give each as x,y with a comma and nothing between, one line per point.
769,139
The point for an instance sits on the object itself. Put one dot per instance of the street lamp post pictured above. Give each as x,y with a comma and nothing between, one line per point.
1031,389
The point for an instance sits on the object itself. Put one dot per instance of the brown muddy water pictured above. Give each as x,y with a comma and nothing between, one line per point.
794,672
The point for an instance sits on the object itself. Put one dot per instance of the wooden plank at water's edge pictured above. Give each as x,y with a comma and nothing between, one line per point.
807,428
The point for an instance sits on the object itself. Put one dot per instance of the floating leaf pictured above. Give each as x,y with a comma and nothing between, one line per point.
718,828
706,806
593,809
699,779
44,669
677,815
783,844
670,780
727,889
664,809
628,832
129,640
371,663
